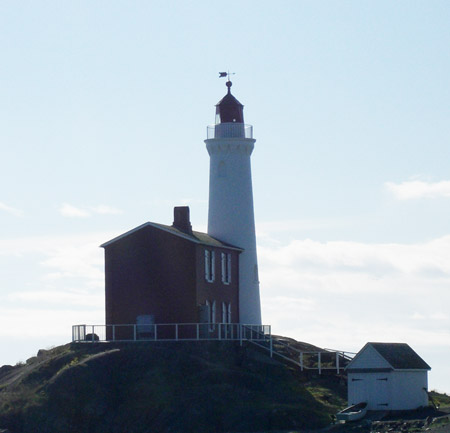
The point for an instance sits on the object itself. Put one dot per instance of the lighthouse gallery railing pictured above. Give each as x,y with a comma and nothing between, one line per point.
229,130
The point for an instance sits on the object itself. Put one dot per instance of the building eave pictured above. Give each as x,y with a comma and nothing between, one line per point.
192,238
369,370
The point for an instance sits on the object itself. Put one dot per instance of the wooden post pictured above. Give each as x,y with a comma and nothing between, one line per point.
319,362
337,362
114,332
134,332
176,331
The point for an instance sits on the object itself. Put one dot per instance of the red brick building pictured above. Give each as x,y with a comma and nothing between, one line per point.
170,274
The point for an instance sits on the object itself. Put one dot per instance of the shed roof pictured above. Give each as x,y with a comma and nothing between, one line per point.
401,356
196,237
396,356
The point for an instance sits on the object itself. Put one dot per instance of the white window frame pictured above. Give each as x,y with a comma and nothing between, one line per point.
226,268
213,312
210,274
224,313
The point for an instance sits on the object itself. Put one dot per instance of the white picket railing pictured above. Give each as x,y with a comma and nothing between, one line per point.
325,359
259,335
169,332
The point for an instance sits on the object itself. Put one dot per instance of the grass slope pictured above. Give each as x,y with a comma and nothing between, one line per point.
162,387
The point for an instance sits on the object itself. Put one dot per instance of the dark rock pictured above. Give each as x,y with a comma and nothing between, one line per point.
42,352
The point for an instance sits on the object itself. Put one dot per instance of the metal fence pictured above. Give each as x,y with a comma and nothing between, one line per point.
169,332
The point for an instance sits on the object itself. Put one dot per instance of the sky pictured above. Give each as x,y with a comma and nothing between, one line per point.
103,112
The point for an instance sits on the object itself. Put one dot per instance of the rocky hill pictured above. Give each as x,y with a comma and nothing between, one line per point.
179,387
162,387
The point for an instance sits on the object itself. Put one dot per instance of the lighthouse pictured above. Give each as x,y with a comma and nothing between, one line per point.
231,217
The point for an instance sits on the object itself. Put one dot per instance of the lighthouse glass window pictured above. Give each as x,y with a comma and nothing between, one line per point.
209,266
226,268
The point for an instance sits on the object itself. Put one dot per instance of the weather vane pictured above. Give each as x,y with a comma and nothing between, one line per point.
226,74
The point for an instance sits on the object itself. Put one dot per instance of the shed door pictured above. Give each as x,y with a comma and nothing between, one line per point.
381,392
145,326
358,390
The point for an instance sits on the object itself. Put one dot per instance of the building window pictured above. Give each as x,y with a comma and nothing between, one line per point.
209,266
213,312
211,305
226,312
226,268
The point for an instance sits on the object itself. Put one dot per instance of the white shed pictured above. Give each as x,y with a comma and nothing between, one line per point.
388,376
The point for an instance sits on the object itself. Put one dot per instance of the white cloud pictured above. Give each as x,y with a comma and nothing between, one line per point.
85,298
34,322
332,294
106,210
416,189
71,211
343,294
268,228
67,261
11,210
63,285
430,260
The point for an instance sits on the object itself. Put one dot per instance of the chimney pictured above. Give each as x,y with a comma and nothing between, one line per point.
181,219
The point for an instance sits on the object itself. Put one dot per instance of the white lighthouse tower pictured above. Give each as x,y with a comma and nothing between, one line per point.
231,218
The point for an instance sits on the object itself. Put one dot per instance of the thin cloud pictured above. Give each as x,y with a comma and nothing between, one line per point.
352,267
417,189
70,211
106,210
333,294
57,297
36,322
342,294
67,210
10,210
61,259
